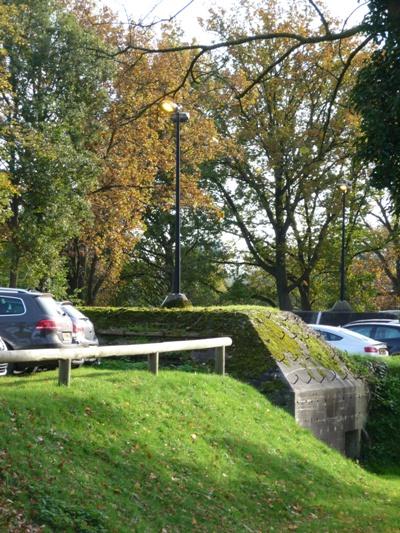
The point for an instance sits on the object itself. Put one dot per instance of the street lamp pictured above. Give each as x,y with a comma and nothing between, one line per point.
344,187
175,298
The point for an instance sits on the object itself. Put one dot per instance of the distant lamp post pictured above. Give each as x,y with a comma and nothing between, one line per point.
342,304
175,298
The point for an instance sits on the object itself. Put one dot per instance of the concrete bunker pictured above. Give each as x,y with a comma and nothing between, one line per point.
273,350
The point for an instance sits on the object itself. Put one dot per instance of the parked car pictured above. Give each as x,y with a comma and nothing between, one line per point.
348,341
82,328
392,311
386,331
3,366
31,319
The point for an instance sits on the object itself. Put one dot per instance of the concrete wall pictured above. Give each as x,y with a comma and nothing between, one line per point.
333,407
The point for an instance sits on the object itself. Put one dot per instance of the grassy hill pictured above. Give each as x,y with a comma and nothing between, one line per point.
123,451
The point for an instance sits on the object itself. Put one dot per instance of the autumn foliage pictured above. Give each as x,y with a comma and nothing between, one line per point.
87,158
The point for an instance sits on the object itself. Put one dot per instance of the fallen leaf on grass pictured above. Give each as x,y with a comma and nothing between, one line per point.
297,509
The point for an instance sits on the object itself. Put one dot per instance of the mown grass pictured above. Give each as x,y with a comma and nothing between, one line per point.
125,451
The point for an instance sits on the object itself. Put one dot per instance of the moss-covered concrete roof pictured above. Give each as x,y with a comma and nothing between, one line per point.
261,335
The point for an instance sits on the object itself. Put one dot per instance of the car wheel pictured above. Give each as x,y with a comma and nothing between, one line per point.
13,371
16,369
30,370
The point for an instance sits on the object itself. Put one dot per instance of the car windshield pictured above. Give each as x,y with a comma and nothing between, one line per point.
49,305
362,329
72,311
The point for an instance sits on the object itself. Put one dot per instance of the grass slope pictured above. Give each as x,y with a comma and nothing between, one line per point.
123,451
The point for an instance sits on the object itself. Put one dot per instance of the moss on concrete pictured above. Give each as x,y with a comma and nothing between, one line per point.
261,336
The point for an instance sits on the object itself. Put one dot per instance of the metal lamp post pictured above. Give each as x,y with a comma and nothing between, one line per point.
175,298
342,305
344,187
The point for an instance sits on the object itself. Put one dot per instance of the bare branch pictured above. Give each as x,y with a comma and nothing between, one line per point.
144,26
269,69
321,16
302,39
337,87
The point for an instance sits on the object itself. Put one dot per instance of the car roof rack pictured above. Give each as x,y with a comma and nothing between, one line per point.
375,321
12,290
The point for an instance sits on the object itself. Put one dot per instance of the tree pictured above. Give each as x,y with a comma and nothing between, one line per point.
138,163
288,145
295,39
57,92
378,246
7,27
146,278
376,98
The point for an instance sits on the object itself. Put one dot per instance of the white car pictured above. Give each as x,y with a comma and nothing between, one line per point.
3,366
349,341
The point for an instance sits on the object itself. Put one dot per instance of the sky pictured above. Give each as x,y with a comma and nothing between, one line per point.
152,10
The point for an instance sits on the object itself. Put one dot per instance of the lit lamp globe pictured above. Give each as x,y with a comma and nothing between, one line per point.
169,106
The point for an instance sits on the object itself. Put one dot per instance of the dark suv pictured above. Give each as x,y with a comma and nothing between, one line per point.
30,319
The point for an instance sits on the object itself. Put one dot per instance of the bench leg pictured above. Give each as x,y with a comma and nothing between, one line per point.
64,372
220,360
152,360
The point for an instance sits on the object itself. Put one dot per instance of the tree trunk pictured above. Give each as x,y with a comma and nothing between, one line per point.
90,287
13,278
281,277
284,300
304,290
396,280
13,223
393,8
76,253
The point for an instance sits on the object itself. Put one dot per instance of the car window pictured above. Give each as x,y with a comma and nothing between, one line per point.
362,329
332,337
11,306
387,332
328,336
